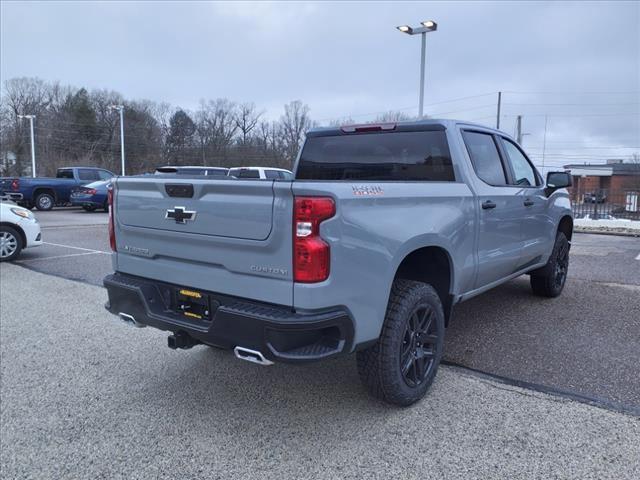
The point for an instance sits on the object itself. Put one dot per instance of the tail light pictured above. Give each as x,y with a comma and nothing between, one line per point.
112,230
15,184
311,254
89,191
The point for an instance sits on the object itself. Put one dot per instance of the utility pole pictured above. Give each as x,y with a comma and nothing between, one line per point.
519,129
498,113
33,145
120,108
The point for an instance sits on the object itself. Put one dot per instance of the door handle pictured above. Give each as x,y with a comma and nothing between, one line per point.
528,202
488,204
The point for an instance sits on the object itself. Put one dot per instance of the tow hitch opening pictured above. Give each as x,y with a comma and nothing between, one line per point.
181,340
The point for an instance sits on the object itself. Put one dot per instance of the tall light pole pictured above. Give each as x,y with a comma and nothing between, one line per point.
120,108
427,26
33,145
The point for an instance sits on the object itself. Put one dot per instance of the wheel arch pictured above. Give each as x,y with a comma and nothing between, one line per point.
433,265
565,225
38,190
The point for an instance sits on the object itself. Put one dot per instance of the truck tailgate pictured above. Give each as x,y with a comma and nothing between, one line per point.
229,236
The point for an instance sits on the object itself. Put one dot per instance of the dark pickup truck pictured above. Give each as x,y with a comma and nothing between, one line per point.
44,192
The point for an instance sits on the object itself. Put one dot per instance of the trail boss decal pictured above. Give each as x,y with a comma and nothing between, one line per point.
367,190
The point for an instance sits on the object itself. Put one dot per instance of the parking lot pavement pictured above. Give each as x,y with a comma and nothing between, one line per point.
70,216
84,396
586,342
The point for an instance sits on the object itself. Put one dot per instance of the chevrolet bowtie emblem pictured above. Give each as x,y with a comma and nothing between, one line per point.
180,215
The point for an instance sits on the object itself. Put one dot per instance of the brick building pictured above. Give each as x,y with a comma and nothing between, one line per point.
613,176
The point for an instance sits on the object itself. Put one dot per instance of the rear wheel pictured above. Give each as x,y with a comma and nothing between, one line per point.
89,208
549,280
10,243
401,366
44,201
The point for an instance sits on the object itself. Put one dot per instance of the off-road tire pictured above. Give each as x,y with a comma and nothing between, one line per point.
379,366
44,202
549,280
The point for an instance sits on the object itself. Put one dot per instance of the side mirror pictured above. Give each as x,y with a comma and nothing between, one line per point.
556,180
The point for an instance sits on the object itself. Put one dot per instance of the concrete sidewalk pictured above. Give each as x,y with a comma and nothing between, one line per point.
84,396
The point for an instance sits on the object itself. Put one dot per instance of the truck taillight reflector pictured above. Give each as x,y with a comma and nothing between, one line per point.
112,230
311,254
15,184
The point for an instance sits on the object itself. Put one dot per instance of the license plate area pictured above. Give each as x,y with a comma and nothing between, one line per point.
194,305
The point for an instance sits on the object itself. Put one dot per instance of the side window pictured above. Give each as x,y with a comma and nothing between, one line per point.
104,175
485,157
522,170
87,175
272,174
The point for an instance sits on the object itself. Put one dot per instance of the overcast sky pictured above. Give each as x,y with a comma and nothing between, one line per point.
580,61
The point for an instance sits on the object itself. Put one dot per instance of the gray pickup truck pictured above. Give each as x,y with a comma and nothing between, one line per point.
382,231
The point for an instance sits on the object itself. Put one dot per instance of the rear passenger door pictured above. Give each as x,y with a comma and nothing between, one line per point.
500,207
538,231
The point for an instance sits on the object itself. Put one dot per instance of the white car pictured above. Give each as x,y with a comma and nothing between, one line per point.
262,173
18,229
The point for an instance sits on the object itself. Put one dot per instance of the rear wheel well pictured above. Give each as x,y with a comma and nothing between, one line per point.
23,237
40,190
566,226
430,265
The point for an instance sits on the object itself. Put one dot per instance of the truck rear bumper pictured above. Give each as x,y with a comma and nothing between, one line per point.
278,332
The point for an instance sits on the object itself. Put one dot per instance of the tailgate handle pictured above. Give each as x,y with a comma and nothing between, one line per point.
179,190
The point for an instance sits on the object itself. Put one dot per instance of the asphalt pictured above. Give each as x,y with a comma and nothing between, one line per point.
85,396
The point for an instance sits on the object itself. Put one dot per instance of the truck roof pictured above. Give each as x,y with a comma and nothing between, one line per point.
426,124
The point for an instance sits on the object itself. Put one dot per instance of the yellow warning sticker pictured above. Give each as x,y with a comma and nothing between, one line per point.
190,293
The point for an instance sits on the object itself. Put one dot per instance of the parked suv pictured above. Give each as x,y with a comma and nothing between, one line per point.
383,230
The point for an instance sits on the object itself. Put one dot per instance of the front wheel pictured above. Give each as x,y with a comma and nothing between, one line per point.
401,366
10,243
549,280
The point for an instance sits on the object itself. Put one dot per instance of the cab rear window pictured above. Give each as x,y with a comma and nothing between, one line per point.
401,156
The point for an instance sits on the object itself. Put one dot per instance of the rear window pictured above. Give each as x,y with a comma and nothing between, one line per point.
64,174
220,172
190,171
418,156
245,173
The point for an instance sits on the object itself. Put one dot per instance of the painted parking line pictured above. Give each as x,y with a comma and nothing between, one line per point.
59,256
76,248
638,257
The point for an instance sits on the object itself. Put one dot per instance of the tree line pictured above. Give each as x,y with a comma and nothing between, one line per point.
75,126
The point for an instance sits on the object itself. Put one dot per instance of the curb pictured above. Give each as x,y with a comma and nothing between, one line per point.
606,232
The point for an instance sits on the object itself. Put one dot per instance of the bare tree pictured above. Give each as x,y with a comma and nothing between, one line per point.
392,116
294,123
246,119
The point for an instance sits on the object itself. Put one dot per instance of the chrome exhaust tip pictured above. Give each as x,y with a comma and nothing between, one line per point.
130,320
252,356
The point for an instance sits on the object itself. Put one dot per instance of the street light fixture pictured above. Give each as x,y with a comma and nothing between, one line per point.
33,146
120,108
427,26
